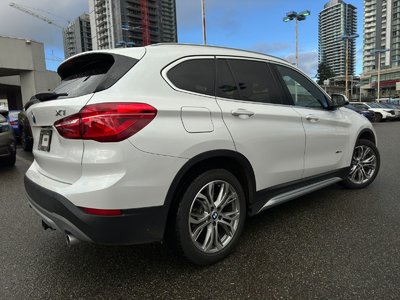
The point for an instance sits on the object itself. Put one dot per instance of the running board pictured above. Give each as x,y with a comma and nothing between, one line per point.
299,192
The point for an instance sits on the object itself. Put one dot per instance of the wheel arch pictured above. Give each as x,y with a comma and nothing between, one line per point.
367,134
230,160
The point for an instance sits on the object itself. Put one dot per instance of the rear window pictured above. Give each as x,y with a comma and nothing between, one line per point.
195,75
90,73
14,114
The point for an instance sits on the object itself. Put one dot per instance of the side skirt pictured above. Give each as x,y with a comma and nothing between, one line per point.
276,195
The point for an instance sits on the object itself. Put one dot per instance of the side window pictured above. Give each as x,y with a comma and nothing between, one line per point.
226,86
361,106
255,81
304,92
195,75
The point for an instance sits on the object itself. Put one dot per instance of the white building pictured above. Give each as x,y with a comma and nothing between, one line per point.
381,32
336,20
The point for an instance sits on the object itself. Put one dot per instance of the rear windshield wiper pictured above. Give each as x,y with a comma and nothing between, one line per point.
45,96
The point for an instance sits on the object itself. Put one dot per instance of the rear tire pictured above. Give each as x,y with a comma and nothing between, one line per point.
25,142
365,164
378,117
209,218
9,161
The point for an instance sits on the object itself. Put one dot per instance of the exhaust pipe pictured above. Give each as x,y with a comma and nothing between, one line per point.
71,240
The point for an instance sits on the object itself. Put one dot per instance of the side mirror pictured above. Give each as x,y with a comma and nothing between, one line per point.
339,100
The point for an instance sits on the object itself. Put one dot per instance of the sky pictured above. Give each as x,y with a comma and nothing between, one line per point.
246,24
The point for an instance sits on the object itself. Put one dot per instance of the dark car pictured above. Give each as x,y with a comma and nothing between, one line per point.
25,127
7,143
13,119
365,112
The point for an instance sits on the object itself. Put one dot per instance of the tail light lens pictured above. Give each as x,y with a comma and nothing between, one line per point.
13,123
106,122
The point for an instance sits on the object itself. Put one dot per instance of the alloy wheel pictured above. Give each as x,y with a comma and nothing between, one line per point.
363,165
214,216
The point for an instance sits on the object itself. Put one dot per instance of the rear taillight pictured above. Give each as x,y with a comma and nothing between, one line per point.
106,122
13,123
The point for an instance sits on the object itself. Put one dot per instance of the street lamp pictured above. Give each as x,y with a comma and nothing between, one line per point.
203,14
379,51
348,38
292,15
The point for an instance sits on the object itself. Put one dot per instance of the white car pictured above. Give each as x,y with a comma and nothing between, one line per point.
381,113
182,142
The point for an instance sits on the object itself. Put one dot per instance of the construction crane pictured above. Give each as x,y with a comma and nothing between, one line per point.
29,11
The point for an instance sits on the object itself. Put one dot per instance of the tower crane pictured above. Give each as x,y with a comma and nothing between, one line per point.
30,11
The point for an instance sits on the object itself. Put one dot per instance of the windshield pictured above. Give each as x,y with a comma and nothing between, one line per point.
374,105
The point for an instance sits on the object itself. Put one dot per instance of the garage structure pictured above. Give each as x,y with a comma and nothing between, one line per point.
23,71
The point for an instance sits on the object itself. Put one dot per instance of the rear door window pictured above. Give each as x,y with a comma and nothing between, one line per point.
226,85
255,82
194,75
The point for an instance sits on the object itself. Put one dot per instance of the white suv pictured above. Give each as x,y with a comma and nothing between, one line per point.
381,113
181,143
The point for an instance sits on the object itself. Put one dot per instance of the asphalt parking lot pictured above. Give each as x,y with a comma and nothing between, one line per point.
334,243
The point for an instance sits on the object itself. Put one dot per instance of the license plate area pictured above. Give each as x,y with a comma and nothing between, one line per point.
45,139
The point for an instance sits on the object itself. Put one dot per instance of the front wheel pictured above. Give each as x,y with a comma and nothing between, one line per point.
210,217
364,167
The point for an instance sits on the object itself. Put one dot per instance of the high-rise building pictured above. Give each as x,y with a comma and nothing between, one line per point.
381,32
378,23
77,36
337,20
120,23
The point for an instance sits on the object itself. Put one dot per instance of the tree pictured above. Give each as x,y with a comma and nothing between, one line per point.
324,72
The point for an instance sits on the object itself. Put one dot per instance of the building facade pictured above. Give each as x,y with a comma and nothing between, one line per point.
77,36
337,20
25,74
381,32
122,23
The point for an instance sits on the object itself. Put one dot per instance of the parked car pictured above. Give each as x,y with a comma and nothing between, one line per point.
7,143
4,113
181,143
365,112
381,113
13,120
392,107
25,127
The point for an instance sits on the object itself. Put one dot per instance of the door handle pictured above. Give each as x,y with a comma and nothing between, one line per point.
242,113
312,118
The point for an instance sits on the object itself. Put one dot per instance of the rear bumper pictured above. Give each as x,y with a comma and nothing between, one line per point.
135,226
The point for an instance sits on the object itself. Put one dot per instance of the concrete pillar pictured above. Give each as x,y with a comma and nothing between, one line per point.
28,85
